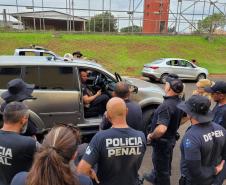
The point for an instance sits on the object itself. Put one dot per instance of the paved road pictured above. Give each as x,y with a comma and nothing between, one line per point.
146,165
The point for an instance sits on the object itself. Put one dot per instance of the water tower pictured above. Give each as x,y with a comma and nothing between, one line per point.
156,15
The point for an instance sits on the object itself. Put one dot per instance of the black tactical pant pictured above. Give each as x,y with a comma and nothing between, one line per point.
97,106
162,158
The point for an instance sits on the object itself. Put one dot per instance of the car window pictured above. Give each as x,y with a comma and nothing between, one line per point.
51,77
7,74
174,62
28,53
104,79
169,63
184,63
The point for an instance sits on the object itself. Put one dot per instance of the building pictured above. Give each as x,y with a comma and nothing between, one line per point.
50,20
156,15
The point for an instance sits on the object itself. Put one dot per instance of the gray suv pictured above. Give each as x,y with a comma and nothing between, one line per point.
58,94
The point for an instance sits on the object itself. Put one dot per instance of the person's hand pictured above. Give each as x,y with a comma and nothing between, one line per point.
98,93
220,167
149,137
93,176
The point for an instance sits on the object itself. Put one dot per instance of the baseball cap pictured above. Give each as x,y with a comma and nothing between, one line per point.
175,84
218,87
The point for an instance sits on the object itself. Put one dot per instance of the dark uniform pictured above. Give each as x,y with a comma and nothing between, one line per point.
202,148
169,115
97,106
118,153
16,154
133,118
219,112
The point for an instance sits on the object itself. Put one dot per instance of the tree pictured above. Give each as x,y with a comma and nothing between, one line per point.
131,29
212,22
104,22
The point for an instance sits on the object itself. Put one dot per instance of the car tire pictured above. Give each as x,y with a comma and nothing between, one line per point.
163,78
201,76
36,120
147,116
151,79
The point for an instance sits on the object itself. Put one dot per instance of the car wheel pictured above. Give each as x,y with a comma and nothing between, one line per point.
201,76
163,78
147,116
151,79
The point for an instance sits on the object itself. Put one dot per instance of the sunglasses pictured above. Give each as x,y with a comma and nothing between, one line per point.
70,126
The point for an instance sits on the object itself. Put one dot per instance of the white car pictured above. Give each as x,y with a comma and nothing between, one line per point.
159,69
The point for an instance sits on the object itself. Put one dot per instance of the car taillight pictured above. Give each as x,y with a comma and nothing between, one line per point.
154,67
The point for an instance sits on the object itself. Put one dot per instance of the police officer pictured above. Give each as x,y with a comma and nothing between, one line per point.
134,116
203,145
218,94
16,151
164,125
118,151
18,90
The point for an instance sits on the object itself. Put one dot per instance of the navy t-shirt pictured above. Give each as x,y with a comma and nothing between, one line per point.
169,115
118,153
219,112
16,155
197,146
133,118
20,179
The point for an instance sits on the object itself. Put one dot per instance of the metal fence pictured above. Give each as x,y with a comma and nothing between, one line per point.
184,15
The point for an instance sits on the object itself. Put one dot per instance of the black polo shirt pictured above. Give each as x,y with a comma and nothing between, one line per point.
169,115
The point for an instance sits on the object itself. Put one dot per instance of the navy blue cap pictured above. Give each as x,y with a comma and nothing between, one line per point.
218,87
175,84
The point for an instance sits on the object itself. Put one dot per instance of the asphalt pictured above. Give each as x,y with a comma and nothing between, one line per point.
147,164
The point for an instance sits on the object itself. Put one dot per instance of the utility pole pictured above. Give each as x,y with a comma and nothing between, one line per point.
73,14
103,16
33,5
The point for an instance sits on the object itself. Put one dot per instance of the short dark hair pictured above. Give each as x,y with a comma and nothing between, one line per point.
78,54
122,90
14,111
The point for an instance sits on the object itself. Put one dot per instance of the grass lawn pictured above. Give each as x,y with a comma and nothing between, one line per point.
125,54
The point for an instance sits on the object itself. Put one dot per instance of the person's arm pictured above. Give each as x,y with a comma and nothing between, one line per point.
159,131
88,99
202,173
162,124
90,158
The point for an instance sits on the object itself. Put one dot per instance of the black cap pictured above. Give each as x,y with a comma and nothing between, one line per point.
78,53
197,107
175,84
173,75
218,87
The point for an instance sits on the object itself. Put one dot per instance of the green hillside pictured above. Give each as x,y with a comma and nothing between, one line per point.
125,54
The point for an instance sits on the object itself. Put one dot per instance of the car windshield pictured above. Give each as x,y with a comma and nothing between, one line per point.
157,61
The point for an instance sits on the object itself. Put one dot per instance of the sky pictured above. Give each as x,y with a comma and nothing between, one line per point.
119,5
